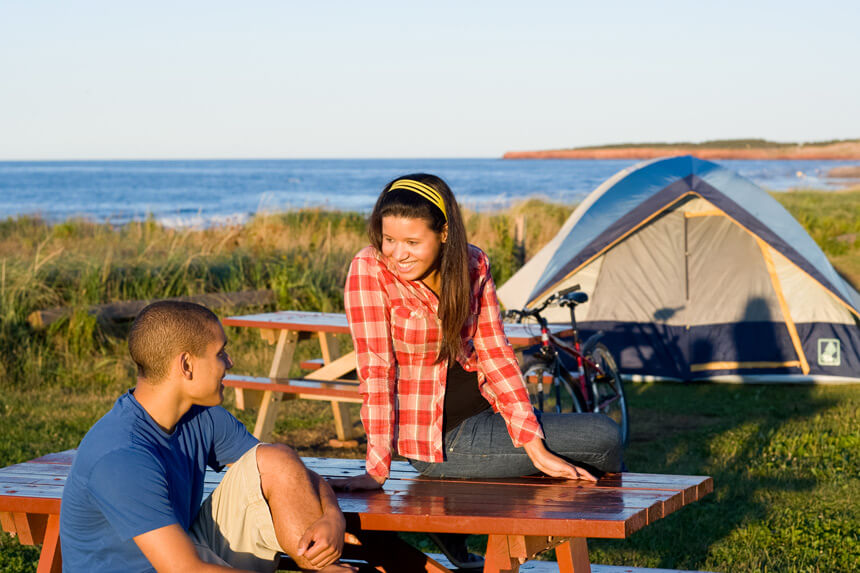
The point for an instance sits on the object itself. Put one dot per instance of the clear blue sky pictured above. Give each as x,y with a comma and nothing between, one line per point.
277,78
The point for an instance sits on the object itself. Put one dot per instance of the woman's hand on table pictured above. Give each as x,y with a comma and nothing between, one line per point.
364,481
552,465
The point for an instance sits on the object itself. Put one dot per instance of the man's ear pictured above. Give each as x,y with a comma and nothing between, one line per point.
186,367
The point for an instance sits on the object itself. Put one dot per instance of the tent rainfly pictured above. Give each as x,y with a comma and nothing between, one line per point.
694,272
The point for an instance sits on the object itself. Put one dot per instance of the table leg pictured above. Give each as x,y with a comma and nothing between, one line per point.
343,424
505,553
50,560
498,558
30,527
572,556
7,521
251,398
281,364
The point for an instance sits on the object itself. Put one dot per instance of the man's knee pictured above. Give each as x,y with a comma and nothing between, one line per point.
277,459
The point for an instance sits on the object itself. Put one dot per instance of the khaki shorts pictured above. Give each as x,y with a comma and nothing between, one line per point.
234,526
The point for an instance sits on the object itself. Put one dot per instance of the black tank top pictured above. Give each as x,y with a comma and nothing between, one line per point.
462,397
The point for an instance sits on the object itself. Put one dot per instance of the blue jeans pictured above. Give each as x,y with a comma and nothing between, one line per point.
480,447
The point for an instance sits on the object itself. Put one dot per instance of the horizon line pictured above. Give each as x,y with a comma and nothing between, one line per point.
317,158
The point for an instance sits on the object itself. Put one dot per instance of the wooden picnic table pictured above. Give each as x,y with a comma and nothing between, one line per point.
286,328
521,516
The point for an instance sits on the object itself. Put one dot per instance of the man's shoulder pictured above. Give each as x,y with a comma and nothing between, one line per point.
109,445
111,430
115,440
116,458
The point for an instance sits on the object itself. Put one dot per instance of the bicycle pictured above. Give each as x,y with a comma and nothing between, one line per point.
595,387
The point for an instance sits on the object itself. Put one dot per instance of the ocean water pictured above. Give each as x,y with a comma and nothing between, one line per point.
207,192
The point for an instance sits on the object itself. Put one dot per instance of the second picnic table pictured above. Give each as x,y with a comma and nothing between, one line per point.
285,329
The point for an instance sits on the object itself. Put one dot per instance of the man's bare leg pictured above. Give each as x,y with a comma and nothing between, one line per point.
308,523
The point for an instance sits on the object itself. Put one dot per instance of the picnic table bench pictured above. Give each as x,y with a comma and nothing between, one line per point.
521,516
326,379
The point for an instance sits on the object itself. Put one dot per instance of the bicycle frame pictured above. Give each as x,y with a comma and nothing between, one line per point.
596,377
550,344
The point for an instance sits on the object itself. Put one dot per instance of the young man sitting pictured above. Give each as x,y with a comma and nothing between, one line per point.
132,501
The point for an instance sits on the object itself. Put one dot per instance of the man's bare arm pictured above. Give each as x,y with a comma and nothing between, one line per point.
169,550
328,499
322,542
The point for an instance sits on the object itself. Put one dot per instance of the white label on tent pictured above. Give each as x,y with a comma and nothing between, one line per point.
828,352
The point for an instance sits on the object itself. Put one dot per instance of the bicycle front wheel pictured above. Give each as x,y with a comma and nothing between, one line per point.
549,386
607,389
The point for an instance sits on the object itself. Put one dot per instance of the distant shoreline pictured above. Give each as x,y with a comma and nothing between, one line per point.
756,149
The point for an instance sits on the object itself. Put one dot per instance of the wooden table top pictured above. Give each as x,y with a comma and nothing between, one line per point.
614,507
518,334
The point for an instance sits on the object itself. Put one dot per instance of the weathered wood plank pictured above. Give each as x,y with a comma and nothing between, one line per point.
383,515
308,389
347,466
292,320
518,334
65,457
312,364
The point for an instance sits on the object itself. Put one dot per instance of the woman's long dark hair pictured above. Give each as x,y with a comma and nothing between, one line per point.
453,255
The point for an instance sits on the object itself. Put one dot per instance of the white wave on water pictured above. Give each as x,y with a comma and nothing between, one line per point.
186,194
201,221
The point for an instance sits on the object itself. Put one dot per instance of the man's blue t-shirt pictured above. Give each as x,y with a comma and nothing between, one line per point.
130,477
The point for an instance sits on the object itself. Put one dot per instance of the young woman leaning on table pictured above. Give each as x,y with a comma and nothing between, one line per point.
440,383
439,380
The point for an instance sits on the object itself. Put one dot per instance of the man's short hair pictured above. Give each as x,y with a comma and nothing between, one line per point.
166,328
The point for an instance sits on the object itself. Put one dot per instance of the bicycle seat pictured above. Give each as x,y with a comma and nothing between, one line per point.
576,297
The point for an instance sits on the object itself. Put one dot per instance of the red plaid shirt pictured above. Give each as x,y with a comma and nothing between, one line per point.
397,335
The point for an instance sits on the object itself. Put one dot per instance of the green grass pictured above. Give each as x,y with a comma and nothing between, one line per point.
833,221
784,458
785,462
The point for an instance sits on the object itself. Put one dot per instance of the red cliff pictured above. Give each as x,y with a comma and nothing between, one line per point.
845,150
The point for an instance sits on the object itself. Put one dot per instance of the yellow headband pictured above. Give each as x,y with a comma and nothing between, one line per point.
424,190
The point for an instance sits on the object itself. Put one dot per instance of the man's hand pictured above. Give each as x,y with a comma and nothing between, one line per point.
356,483
552,465
322,543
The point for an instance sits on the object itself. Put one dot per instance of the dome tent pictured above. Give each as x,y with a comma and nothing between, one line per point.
694,272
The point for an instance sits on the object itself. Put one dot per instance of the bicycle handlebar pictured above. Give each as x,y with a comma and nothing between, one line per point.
562,298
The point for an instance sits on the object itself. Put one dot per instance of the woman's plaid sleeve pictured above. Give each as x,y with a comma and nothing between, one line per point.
498,363
367,311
